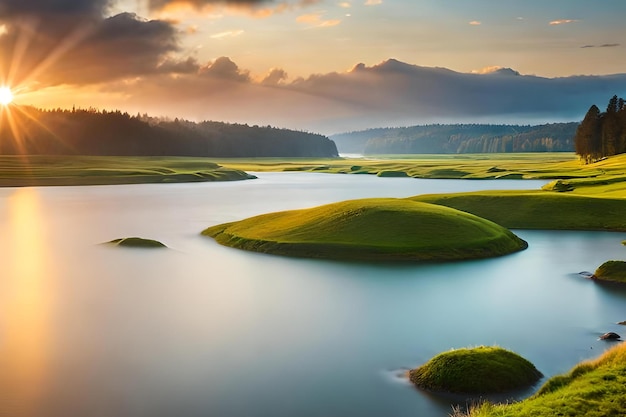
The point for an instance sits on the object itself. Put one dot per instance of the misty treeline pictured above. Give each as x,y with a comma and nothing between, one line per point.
93,132
459,138
602,134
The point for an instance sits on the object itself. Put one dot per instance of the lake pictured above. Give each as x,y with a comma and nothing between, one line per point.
205,330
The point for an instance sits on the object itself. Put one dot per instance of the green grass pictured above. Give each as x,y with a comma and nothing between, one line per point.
606,178
611,271
479,370
35,170
538,209
371,229
136,242
591,389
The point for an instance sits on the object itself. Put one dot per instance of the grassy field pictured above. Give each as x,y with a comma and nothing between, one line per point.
371,229
538,209
603,178
594,388
96,170
478,370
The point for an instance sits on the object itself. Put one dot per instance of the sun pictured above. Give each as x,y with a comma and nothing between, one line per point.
6,96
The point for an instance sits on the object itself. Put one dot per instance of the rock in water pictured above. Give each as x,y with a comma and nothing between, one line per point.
609,336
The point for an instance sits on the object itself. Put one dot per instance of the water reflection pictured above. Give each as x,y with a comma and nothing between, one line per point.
24,323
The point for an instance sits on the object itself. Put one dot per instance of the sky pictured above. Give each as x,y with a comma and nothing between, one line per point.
318,65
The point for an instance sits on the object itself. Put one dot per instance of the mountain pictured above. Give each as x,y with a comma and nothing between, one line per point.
459,138
26,130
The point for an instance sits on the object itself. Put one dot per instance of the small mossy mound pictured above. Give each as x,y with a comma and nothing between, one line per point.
611,271
371,229
558,186
479,370
392,174
137,242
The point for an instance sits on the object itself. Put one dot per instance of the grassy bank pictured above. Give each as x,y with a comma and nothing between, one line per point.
371,229
594,388
96,170
603,178
538,209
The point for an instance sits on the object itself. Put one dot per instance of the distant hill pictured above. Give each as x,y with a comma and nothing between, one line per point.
91,132
459,138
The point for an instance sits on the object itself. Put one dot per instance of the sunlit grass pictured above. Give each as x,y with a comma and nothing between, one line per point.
594,388
371,229
95,170
538,209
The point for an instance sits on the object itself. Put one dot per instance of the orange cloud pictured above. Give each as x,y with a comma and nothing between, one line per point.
563,21
315,20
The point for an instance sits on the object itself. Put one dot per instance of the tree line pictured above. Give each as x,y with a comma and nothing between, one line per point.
602,134
460,138
27,130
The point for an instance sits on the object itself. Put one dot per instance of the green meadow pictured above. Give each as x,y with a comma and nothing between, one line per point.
39,170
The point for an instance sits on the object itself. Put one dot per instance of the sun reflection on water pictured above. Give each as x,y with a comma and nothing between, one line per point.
26,304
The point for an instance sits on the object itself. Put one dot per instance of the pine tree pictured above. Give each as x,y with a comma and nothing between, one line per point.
587,141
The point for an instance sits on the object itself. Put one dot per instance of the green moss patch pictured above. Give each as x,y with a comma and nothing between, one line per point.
137,242
371,229
392,174
611,271
480,370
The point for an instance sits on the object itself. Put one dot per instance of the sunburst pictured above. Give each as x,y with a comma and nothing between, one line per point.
6,96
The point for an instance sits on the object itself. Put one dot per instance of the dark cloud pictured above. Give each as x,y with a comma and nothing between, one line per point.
11,8
72,42
225,69
604,45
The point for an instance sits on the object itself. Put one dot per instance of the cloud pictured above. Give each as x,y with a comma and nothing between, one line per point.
227,34
475,23
274,77
345,4
315,20
391,93
224,68
604,45
260,8
12,8
563,21
72,42
373,2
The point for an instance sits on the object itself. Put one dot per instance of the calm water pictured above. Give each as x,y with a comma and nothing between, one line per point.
204,330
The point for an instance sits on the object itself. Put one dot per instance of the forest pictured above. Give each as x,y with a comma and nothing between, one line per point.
31,131
459,138
602,134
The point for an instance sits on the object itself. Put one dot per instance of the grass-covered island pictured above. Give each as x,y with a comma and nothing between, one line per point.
479,370
611,271
371,229
595,388
136,242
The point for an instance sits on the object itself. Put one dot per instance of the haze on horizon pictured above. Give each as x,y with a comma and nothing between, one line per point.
319,65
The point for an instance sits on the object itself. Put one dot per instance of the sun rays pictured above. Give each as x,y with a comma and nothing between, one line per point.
6,96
